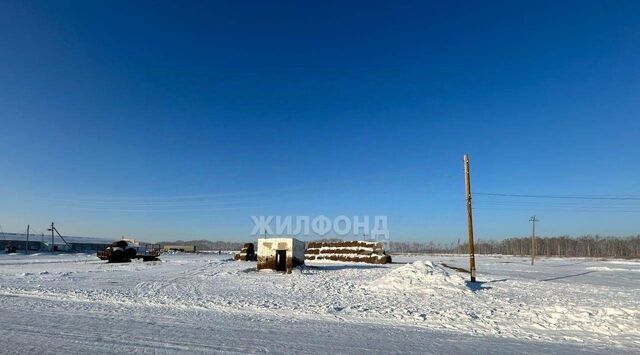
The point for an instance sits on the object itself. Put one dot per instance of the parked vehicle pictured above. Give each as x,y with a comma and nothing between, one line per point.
125,250
10,249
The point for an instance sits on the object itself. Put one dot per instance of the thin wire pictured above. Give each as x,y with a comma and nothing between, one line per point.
555,210
561,196
555,204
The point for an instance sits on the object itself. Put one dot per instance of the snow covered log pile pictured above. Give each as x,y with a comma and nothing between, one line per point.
247,253
359,251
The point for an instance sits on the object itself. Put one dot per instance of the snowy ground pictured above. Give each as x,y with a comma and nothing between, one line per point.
74,303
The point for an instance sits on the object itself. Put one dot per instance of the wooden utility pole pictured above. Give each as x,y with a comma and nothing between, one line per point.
533,221
52,229
26,247
467,185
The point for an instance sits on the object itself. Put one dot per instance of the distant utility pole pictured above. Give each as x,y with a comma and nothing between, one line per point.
467,185
533,221
52,229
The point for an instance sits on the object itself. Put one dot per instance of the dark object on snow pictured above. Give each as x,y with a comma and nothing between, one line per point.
11,248
122,252
120,244
248,253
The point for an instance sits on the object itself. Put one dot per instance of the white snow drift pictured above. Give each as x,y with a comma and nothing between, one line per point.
569,301
420,276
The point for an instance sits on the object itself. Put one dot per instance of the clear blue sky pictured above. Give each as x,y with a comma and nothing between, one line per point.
180,120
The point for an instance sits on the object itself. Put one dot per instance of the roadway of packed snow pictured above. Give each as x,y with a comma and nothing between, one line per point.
207,302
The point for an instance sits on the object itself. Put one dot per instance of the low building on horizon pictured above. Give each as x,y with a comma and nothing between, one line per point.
181,248
43,243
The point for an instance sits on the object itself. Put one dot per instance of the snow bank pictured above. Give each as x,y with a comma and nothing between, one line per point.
558,300
420,276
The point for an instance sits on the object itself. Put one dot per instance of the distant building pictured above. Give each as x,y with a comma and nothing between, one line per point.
280,254
182,248
43,243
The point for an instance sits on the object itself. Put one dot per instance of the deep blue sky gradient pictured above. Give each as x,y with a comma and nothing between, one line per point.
167,120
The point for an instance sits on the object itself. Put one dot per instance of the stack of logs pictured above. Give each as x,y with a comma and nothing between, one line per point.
247,253
358,251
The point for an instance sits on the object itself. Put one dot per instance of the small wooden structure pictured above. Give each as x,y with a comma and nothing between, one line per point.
280,254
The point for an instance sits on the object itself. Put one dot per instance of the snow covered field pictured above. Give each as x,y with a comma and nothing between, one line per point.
74,303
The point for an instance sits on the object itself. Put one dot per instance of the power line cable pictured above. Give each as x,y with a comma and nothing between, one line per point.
555,204
630,198
555,210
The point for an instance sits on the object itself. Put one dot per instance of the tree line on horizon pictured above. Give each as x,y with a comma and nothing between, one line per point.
584,246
